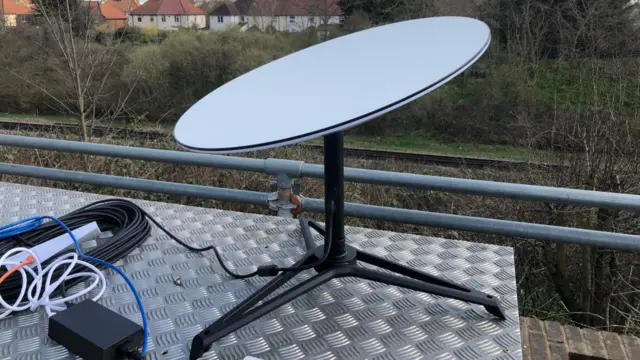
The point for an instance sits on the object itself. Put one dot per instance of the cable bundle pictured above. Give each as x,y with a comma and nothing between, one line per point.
123,218
43,284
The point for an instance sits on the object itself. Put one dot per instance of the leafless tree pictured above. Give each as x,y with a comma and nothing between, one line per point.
84,59
411,9
594,138
264,13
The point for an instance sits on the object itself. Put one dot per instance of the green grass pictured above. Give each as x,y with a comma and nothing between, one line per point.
51,118
67,120
429,145
417,144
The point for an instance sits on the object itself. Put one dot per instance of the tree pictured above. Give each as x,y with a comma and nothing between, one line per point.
379,11
596,287
67,50
324,10
560,28
413,9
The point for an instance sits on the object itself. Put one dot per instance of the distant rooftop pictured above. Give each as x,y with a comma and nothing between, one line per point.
107,10
168,7
16,7
124,5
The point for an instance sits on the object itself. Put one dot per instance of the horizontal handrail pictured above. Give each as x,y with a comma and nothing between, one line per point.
299,169
616,241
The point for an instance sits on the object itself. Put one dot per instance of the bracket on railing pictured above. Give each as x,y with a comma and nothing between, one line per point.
285,198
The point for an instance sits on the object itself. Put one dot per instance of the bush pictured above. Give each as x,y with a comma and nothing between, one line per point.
188,65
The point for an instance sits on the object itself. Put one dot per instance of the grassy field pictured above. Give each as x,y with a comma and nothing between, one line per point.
52,119
430,145
418,144
36,118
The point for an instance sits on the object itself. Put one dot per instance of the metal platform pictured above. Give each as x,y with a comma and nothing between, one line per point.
344,319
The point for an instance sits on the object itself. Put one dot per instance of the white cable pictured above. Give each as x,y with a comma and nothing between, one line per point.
38,295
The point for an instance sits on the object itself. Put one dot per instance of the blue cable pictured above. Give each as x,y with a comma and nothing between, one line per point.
31,223
19,227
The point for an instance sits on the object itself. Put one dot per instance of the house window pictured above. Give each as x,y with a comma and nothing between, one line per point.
241,18
139,18
312,20
152,18
292,19
24,19
164,18
220,19
176,18
274,19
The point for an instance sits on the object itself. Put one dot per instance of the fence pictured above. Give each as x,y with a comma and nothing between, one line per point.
299,169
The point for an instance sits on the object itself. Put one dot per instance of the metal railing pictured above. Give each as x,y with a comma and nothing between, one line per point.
299,169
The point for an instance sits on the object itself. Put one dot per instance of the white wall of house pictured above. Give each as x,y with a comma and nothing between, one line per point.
168,22
199,21
280,23
224,22
11,20
293,23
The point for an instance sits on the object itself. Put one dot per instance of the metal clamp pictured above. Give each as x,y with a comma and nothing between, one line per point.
284,198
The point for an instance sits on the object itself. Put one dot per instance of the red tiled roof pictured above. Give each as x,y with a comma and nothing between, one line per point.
107,11
293,7
124,5
168,7
13,7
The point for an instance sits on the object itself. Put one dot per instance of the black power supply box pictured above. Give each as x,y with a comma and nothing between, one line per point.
93,332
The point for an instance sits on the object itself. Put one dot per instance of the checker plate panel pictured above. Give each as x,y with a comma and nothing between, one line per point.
347,318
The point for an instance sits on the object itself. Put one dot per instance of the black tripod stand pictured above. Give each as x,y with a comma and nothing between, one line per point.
339,261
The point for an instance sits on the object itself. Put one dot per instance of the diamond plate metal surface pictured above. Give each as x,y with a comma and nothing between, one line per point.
183,292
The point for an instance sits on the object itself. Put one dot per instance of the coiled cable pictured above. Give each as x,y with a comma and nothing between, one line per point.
128,223
43,283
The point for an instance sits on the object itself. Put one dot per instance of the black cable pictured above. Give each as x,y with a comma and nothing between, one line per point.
126,221
130,352
273,270
130,228
194,249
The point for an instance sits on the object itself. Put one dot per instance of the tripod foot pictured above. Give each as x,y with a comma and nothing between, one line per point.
225,326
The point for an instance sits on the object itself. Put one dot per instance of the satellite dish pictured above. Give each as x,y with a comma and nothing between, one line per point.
321,91
332,86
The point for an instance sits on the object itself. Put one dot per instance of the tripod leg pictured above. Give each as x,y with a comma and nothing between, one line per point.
405,270
317,227
424,284
418,280
306,225
220,329
266,290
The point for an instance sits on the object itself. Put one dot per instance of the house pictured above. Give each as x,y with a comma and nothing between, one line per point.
107,16
228,14
280,15
168,15
16,12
